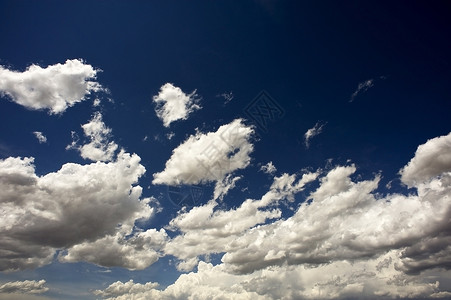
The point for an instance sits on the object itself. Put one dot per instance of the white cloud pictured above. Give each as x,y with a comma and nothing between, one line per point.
223,187
24,287
345,241
40,136
206,230
362,88
208,157
54,88
312,132
118,288
173,104
99,147
375,278
77,205
431,159
269,168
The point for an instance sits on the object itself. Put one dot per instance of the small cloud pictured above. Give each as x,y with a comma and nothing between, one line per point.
269,168
314,131
227,97
96,102
170,135
365,86
41,137
173,104
145,138
99,148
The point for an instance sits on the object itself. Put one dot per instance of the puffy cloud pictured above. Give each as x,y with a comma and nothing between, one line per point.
188,286
431,159
54,88
208,157
40,136
99,148
78,204
314,131
206,229
269,168
24,287
173,104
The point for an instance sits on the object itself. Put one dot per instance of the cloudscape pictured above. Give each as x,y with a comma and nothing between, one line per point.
225,150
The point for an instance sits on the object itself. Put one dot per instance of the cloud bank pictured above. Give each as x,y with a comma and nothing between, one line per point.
345,241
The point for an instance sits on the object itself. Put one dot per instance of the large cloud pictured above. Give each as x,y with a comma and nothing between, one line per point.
206,229
76,205
173,104
54,88
345,241
431,159
208,157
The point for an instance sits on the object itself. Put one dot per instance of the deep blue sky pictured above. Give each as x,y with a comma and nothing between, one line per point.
309,56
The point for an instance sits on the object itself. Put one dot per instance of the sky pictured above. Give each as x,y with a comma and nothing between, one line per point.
225,149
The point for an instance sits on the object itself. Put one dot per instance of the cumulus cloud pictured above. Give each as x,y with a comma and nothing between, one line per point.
362,88
312,132
269,168
337,280
40,136
431,159
99,148
173,104
206,229
77,205
54,88
208,157
345,241
24,287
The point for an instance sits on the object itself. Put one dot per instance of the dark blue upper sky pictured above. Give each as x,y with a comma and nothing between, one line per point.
310,56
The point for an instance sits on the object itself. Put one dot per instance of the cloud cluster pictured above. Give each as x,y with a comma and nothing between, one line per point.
24,287
207,229
345,241
208,157
173,104
54,88
77,205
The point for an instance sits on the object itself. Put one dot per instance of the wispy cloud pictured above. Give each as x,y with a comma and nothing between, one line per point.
312,132
365,86
228,96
